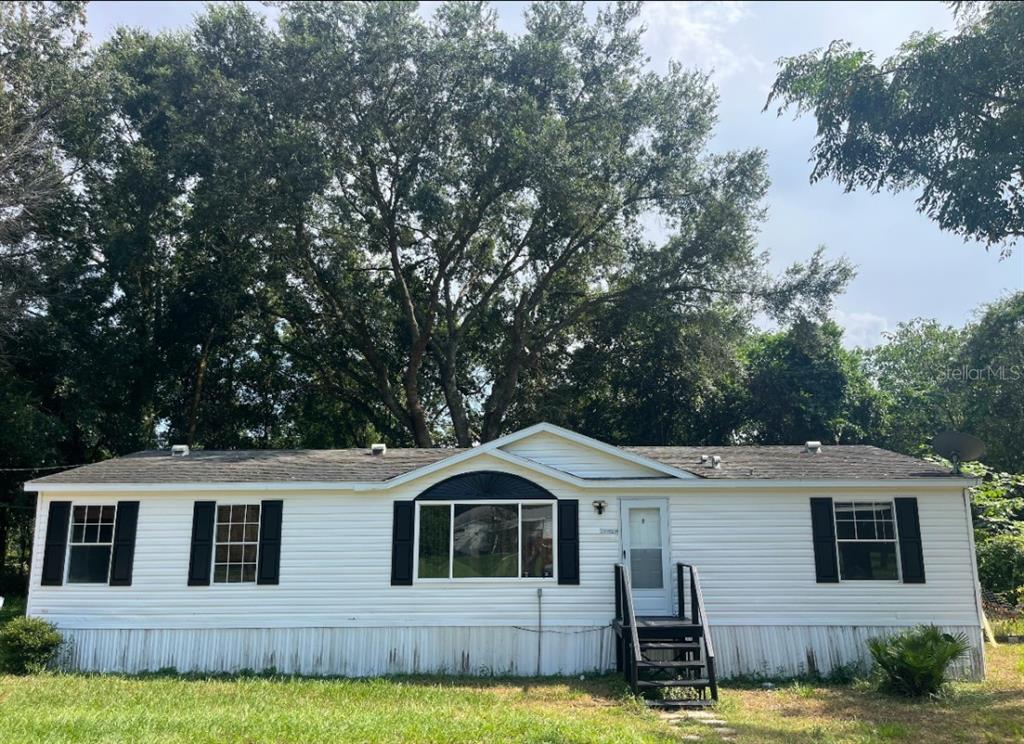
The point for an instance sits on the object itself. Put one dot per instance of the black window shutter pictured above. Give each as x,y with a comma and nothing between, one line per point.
568,541
201,556
823,527
402,528
56,543
122,555
911,552
269,569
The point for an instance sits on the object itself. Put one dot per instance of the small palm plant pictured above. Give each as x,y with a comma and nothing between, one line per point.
914,664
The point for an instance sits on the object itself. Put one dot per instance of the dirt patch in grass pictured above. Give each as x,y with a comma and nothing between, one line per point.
989,711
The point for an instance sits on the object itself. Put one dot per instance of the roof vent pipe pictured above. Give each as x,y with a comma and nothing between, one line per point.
179,450
378,449
703,459
814,447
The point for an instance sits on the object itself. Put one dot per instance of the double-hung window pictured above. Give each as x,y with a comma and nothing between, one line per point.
237,545
505,540
866,540
92,534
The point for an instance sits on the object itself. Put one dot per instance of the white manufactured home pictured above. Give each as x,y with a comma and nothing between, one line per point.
543,552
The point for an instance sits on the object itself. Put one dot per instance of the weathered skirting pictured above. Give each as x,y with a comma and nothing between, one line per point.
350,652
769,651
796,650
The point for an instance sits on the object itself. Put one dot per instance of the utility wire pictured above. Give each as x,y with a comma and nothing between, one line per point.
44,467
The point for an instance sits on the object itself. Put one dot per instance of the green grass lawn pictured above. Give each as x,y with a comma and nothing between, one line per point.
97,708
54,708
80,708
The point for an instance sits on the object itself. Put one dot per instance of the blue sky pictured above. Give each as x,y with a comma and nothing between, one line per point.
907,267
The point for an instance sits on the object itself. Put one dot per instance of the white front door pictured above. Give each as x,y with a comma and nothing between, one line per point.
645,551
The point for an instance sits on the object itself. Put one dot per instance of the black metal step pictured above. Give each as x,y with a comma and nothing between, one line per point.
692,703
673,683
669,664
644,645
667,632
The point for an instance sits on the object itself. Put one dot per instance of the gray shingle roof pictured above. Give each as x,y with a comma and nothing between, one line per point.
839,462
793,462
252,466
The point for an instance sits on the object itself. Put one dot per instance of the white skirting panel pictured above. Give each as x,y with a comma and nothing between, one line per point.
797,650
349,652
766,651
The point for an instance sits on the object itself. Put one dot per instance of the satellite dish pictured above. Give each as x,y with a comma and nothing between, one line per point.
958,448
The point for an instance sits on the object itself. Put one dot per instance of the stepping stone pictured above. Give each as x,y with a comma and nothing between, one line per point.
701,715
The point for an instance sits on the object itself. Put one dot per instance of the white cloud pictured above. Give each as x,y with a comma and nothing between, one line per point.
698,35
861,329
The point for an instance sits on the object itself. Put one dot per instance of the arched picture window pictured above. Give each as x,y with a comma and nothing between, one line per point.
486,525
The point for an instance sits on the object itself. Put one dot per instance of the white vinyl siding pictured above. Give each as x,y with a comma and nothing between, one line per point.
756,560
335,571
753,549
577,459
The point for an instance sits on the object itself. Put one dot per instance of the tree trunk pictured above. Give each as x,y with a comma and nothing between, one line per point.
197,393
5,511
499,400
417,417
23,545
453,398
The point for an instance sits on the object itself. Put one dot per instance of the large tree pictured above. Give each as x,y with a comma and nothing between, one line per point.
41,53
993,382
943,115
41,48
918,371
803,385
656,374
360,223
488,194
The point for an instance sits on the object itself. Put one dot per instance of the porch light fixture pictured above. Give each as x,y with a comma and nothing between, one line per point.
599,506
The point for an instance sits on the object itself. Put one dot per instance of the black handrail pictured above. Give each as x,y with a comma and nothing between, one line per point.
626,616
698,617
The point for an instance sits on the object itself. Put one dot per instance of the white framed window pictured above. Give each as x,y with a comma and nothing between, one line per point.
866,541
89,543
236,543
502,540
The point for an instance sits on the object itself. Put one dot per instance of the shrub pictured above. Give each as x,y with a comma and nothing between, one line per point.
1001,566
914,663
27,644
1007,626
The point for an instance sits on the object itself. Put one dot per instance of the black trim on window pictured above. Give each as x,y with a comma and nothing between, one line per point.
485,485
269,568
908,528
122,554
201,554
823,529
402,532
568,541
56,546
